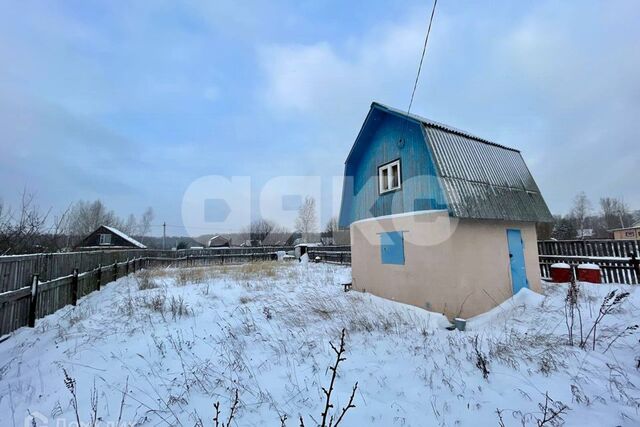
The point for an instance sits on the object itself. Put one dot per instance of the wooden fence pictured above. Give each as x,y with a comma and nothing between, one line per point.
332,254
33,286
617,259
614,270
590,248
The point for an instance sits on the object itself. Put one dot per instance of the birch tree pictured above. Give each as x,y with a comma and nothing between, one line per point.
307,221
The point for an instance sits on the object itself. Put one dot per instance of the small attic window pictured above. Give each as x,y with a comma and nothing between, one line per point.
389,178
105,239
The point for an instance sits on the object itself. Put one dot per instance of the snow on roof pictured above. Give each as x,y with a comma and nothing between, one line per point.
633,226
125,237
401,215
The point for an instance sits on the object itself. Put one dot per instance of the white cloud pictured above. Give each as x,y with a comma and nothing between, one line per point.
330,81
558,82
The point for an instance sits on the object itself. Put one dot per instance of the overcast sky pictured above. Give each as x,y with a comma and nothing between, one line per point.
131,102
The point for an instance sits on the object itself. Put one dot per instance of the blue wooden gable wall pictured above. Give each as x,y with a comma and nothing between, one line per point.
376,145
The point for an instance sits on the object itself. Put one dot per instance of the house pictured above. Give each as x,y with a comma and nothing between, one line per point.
219,242
439,218
583,233
105,237
628,233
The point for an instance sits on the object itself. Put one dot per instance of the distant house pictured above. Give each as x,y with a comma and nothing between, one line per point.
629,233
219,242
105,237
439,218
585,233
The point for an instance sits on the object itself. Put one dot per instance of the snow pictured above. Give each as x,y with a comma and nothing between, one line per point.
560,265
125,237
399,215
264,329
588,266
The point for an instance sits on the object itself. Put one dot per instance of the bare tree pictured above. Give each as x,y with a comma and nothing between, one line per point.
330,232
580,211
332,226
259,230
131,225
22,231
145,222
278,236
84,217
307,222
615,213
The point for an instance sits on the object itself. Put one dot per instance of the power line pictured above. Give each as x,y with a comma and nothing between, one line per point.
424,50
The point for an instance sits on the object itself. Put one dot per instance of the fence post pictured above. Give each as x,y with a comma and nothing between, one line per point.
74,287
126,268
99,277
635,263
115,271
34,301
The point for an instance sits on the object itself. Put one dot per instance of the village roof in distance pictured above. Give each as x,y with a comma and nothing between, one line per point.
125,237
631,227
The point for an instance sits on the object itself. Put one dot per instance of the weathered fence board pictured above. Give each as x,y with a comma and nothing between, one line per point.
332,254
56,280
589,248
612,256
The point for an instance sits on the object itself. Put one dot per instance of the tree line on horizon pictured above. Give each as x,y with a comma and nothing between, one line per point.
27,228
586,221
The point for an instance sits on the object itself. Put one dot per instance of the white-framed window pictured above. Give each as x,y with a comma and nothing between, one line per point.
389,178
105,239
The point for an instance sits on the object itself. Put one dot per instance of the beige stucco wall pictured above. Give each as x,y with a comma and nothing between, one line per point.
455,267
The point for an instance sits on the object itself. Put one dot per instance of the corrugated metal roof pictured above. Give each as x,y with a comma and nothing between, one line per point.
481,179
433,123
485,181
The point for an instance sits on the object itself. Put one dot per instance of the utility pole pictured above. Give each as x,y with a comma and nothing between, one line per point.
164,234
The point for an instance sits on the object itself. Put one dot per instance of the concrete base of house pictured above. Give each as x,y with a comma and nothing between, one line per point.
458,267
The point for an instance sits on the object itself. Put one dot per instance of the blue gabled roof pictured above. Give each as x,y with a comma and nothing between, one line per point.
480,179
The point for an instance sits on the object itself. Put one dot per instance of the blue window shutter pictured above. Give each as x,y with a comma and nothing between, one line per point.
392,248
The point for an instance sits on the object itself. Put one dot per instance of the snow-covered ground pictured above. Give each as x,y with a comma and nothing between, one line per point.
164,354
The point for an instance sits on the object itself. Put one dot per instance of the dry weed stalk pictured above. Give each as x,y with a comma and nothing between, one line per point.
552,412
232,412
328,405
70,383
610,303
481,359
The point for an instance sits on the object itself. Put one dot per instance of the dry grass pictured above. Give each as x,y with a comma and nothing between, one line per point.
146,279
197,275
255,270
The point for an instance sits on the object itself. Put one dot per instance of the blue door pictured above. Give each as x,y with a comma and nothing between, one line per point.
516,258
